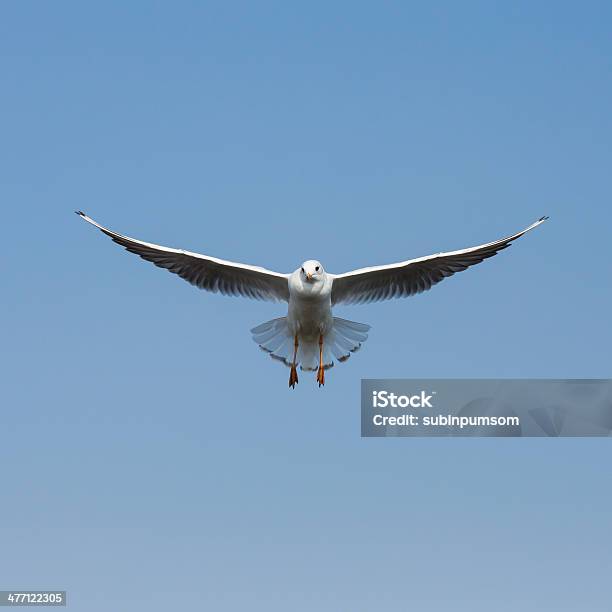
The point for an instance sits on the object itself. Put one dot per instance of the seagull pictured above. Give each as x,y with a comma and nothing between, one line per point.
310,336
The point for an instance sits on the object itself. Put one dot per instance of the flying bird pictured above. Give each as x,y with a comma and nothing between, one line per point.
310,336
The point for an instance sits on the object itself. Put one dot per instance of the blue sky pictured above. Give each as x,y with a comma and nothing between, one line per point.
152,457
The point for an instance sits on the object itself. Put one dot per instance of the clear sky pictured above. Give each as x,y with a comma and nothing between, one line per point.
152,458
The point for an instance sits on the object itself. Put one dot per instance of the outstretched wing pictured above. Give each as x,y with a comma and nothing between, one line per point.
210,273
413,276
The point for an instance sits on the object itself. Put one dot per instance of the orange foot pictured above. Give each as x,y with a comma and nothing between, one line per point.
293,377
321,376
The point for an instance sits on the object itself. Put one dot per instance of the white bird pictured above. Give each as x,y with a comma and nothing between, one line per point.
310,336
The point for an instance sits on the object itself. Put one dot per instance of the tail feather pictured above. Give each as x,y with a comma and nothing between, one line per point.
343,338
273,326
308,355
344,343
351,329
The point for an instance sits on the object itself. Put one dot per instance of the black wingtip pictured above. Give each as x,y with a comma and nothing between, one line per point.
80,213
544,218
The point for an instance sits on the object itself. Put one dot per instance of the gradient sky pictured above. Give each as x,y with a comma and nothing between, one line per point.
152,458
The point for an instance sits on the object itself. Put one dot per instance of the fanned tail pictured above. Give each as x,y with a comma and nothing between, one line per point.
343,338
274,338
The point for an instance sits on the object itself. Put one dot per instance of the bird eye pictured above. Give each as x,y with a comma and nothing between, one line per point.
302,270
317,269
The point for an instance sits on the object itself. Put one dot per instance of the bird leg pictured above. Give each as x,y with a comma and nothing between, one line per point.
293,377
321,371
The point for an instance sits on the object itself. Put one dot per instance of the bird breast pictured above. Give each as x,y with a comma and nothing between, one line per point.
309,305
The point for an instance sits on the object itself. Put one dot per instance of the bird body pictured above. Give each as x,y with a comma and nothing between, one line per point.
309,310
316,337
310,336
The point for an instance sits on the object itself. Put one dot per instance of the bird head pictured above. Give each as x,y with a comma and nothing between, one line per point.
312,270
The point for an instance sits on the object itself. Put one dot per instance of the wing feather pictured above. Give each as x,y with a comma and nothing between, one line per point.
209,273
413,276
